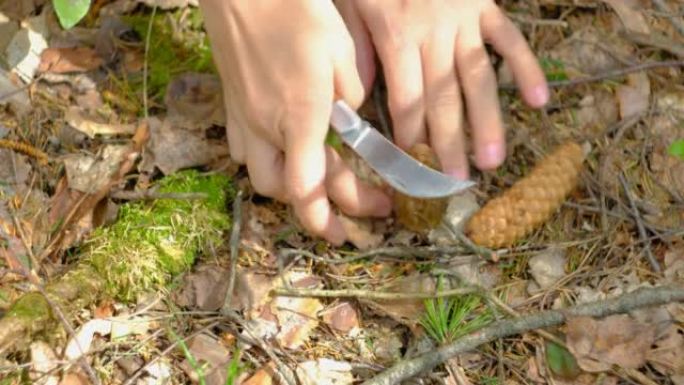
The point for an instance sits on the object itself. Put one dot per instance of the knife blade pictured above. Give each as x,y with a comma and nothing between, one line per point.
400,170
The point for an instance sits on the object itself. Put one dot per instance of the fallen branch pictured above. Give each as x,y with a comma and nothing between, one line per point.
640,298
368,294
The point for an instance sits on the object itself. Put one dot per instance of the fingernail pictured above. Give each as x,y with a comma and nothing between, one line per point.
540,95
459,173
492,155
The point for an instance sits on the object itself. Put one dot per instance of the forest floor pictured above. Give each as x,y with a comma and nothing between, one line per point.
93,119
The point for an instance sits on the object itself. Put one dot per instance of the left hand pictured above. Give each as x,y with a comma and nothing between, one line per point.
431,52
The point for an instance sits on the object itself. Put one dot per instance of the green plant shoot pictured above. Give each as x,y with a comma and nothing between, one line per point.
677,149
70,12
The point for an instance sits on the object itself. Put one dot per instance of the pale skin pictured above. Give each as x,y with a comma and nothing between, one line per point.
282,63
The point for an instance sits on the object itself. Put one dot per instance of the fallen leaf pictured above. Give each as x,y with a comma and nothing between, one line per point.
667,352
18,172
633,98
360,232
196,98
125,326
632,18
407,310
69,60
580,55
77,119
297,318
44,362
561,362
74,378
615,340
325,371
263,376
20,9
159,373
87,173
342,317
486,276
204,289
23,51
211,356
172,148
80,343
13,94
547,268
381,342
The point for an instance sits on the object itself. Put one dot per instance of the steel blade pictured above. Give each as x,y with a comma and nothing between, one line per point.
400,170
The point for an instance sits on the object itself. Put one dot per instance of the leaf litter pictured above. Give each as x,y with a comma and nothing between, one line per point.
589,250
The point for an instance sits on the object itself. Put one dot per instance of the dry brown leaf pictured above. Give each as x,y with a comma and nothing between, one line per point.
342,317
297,317
407,311
74,378
360,232
78,120
615,340
263,376
172,148
89,173
212,356
44,362
674,265
204,289
69,60
197,99
667,353
633,98
631,17
547,268
325,371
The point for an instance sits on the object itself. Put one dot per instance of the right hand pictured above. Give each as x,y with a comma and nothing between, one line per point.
282,63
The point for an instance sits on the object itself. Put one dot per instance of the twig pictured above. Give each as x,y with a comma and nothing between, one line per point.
146,111
283,371
640,298
132,379
368,294
488,254
396,252
662,7
234,248
640,225
154,195
605,75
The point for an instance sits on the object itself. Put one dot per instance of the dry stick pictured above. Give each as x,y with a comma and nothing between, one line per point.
640,298
640,225
662,6
605,75
282,370
398,252
154,195
368,294
234,248
146,112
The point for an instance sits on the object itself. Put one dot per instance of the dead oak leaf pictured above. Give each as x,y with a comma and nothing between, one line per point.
212,356
69,60
197,98
172,148
342,317
631,18
615,340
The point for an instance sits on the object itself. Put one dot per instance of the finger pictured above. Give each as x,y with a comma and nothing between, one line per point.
235,129
404,77
305,167
352,196
348,85
443,105
265,167
480,90
363,47
507,39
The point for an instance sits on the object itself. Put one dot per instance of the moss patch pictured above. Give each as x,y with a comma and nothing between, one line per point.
177,45
151,243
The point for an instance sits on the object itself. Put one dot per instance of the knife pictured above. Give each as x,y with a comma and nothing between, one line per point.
399,169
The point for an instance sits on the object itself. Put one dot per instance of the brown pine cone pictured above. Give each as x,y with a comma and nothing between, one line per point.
420,214
529,202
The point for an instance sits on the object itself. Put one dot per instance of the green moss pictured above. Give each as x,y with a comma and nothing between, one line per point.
151,243
176,46
31,306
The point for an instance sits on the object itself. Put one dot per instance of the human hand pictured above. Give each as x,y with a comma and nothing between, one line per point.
282,63
431,52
